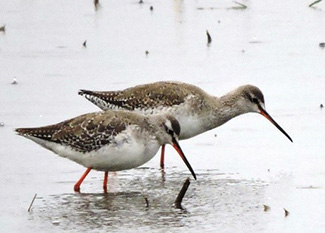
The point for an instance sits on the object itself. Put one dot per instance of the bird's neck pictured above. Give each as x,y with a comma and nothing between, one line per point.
226,108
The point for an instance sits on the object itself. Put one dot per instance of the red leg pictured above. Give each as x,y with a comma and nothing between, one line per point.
162,157
105,182
77,185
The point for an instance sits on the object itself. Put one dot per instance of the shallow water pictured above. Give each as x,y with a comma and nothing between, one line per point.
241,166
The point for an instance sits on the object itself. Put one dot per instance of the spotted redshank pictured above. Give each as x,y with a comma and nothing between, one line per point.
196,110
108,141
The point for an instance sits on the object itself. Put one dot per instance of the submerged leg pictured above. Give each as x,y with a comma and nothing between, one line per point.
105,182
162,157
77,185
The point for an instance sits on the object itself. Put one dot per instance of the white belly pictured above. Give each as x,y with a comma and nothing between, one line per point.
190,121
191,125
127,153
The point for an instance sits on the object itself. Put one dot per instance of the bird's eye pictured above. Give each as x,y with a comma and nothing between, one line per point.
255,100
169,131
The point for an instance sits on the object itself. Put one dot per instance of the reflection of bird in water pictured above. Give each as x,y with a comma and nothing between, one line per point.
108,141
196,110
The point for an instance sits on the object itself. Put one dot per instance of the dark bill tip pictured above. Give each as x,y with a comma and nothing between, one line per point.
267,116
180,152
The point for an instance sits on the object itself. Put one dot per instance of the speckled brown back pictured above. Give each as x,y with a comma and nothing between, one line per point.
153,95
86,132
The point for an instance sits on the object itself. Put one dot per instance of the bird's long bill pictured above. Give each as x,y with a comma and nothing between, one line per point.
180,152
267,116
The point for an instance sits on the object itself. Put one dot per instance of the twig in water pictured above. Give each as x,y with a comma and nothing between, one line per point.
147,202
240,7
286,212
30,206
181,194
317,1
209,37
96,3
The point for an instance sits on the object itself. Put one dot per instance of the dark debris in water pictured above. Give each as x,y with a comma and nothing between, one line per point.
208,37
314,3
309,187
286,212
266,208
96,4
3,28
31,204
181,194
255,42
147,202
240,6
14,82
208,8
